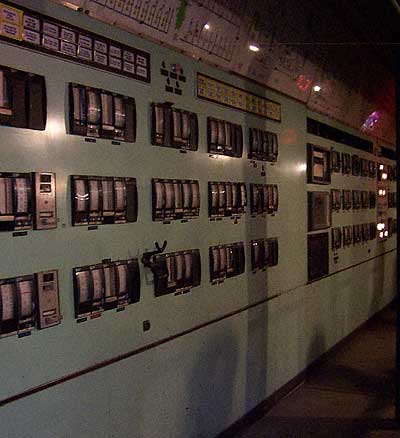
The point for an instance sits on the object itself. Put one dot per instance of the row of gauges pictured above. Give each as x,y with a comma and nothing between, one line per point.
28,200
98,113
321,162
32,301
349,235
356,199
110,285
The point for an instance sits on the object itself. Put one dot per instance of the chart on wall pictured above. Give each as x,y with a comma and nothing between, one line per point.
220,31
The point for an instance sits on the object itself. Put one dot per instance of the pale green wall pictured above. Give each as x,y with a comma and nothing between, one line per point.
199,384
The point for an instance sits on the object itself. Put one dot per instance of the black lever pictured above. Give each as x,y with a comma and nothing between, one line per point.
147,257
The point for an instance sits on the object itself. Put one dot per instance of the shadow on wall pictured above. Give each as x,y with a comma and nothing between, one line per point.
378,281
318,344
212,384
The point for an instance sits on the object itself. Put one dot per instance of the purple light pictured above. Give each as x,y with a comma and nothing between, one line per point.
371,120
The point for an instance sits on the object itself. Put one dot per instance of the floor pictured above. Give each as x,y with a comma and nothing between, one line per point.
350,395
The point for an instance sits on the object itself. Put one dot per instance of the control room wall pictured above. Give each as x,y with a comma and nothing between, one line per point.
199,383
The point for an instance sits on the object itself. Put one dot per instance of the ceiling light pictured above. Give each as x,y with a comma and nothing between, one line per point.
317,88
207,26
254,48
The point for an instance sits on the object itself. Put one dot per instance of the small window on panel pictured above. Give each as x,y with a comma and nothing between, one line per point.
347,235
319,212
336,200
102,114
105,286
226,261
173,127
23,102
347,199
318,256
372,230
356,199
366,232
346,163
355,165
226,199
224,138
8,307
103,200
18,201
336,161
176,272
263,145
336,238
258,254
357,234
364,168
175,199
264,253
364,199
272,251
372,169
318,165
5,93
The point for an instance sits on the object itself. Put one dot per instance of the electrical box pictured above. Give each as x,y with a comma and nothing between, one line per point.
319,211
318,255
318,165
48,299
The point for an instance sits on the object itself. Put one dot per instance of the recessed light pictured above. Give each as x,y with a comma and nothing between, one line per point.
254,48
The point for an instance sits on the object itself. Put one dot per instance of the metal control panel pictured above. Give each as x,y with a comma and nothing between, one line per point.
224,184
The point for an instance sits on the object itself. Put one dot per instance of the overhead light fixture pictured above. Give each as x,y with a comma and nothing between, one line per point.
207,26
71,6
254,48
317,88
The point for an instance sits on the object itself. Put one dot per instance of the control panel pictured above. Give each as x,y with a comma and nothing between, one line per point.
104,286
27,201
98,200
28,302
101,113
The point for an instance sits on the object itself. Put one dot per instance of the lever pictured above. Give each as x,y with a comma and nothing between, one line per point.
147,258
